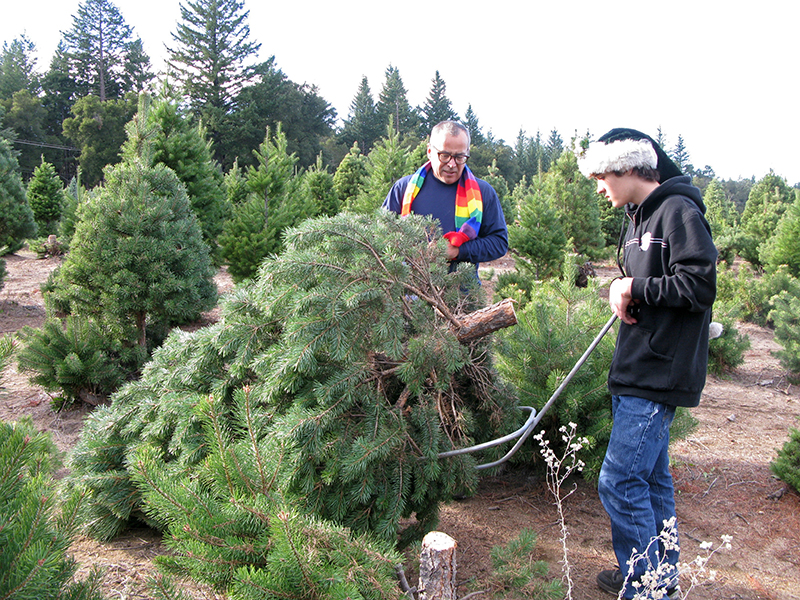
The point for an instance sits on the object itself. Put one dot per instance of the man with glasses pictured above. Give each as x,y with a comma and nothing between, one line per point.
444,188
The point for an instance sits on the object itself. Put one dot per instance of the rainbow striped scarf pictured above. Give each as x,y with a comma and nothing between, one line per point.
469,203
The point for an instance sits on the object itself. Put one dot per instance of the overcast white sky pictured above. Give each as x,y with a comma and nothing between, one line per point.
721,75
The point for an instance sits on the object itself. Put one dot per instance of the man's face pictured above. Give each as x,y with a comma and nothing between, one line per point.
447,172
618,189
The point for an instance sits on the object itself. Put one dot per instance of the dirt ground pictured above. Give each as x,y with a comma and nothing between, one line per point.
723,482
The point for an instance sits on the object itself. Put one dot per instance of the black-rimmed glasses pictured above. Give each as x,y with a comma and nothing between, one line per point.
445,157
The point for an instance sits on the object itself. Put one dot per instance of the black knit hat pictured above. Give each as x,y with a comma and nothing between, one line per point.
666,168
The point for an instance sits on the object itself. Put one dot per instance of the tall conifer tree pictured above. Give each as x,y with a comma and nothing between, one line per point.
210,57
362,125
437,107
99,48
393,107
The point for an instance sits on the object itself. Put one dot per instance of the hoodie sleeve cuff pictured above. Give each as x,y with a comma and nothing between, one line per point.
637,288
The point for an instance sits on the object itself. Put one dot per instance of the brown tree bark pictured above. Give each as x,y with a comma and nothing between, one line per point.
437,567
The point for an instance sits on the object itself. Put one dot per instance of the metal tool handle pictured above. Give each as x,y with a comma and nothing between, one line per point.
523,432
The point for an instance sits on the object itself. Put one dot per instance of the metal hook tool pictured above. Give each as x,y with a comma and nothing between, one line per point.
523,432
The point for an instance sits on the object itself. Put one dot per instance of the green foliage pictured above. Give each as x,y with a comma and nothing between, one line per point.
17,222
98,129
748,296
768,200
73,196
318,187
34,535
537,235
721,212
363,125
138,263
498,182
726,352
271,102
783,248
786,318
517,575
554,329
350,176
76,358
210,57
6,341
393,108
45,197
574,199
437,107
389,161
182,146
332,377
102,56
787,465
236,517
276,203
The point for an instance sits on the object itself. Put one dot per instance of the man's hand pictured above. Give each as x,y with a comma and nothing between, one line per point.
619,298
452,251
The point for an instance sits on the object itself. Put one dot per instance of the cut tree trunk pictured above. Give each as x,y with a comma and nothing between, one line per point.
437,567
485,321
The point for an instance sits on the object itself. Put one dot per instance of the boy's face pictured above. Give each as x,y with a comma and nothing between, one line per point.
618,189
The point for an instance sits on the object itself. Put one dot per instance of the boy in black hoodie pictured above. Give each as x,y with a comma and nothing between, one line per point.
664,300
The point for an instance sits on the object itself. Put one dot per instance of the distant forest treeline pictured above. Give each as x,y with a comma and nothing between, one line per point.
74,113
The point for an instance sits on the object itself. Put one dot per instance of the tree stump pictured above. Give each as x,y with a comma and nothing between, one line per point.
437,567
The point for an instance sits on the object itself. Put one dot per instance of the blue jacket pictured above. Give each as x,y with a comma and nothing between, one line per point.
438,200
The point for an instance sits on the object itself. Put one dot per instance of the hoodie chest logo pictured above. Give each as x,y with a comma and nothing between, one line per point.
644,243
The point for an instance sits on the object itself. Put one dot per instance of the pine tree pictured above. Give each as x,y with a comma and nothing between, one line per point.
494,178
210,57
18,69
437,107
350,176
553,149
769,198
275,203
138,261
471,122
393,108
537,236
574,199
98,46
183,146
17,223
363,124
680,156
389,161
721,213
783,248
46,198
35,535
318,186
554,328
332,378
98,129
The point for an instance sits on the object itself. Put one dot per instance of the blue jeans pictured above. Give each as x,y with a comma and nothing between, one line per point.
635,484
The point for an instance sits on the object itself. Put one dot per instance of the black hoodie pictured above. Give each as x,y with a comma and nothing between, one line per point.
669,252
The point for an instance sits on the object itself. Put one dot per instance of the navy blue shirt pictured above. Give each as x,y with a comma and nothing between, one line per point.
438,200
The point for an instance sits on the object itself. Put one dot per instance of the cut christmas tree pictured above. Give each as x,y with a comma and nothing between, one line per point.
330,384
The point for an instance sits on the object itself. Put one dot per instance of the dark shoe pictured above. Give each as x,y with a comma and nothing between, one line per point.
611,581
